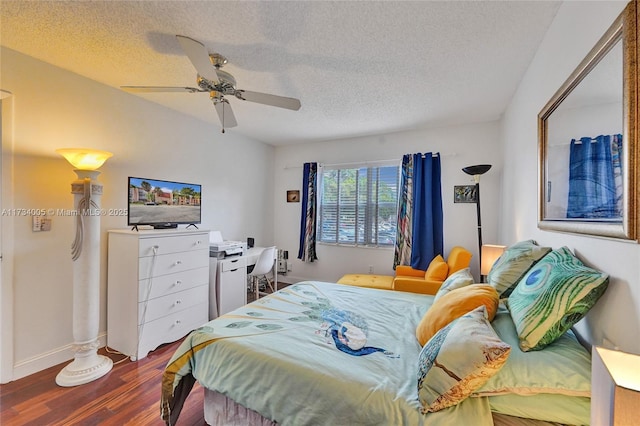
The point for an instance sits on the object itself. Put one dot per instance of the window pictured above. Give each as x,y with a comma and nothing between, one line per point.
359,206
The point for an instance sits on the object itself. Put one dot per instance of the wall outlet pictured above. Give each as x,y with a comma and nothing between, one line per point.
371,269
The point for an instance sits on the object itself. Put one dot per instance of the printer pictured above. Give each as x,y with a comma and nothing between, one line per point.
220,248
224,249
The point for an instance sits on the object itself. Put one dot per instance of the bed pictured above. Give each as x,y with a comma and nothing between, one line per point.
317,353
322,353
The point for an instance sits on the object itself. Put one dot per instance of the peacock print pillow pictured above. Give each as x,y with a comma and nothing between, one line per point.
554,295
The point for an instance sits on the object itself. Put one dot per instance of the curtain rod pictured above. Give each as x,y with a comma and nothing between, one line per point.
357,163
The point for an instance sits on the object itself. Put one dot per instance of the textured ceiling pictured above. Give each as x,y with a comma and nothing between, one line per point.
358,67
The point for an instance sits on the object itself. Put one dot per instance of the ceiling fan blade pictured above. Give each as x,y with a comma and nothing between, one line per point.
266,99
225,113
147,89
199,57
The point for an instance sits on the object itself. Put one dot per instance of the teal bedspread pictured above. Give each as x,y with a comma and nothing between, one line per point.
315,353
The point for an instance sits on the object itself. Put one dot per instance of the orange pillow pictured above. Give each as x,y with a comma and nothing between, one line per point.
455,304
437,270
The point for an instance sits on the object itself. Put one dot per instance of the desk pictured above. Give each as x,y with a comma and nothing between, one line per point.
228,281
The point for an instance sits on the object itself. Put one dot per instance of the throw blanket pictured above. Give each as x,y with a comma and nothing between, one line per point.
315,353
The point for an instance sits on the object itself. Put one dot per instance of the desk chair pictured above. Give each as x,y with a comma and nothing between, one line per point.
263,266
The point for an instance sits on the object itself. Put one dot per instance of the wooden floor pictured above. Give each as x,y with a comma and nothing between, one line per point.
128,395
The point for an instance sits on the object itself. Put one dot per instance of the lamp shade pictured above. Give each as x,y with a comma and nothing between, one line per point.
490,253
615,387
84,158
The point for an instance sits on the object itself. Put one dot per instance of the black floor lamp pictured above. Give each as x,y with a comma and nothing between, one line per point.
476,172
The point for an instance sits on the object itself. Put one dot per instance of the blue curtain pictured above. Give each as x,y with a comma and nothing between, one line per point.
307,250
594,168
427,227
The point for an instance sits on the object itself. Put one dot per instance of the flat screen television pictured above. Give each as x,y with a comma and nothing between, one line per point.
162,203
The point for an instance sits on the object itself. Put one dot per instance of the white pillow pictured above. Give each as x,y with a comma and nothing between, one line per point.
458,279
458,360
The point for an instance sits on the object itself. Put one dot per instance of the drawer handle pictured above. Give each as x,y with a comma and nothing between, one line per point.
177,322
178,302
178,262
233,270
178,282
234,261
198,242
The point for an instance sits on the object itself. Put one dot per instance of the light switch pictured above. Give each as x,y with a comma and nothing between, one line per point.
36,223
40,223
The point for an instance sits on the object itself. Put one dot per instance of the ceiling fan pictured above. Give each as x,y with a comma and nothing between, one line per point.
211,79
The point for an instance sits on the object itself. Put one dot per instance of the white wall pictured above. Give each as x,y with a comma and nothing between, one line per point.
53,109
575,30
459,147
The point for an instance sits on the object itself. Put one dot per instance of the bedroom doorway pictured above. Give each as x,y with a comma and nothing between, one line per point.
6,237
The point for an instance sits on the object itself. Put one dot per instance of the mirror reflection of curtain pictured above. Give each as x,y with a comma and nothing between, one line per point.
595,178
420,219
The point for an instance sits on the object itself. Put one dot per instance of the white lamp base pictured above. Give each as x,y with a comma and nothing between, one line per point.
84,369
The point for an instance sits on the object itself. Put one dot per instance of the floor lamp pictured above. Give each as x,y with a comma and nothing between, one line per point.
476,172
87,365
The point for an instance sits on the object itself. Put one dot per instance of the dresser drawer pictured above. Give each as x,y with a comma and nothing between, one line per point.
172,283
175,244
170,328
172,263
171,303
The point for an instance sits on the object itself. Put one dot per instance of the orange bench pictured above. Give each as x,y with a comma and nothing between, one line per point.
414,280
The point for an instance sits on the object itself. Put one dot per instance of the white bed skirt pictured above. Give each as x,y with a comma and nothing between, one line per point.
222,411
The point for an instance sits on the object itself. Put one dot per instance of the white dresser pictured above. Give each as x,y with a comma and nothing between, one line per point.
158,287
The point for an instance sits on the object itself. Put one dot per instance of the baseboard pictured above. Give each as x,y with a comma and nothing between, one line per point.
49,359
290,279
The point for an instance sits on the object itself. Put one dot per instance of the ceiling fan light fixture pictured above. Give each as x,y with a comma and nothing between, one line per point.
217,83
217,60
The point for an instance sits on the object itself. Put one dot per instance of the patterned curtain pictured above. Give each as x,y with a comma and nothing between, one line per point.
595,178
307,250
420,234
616,158
405,212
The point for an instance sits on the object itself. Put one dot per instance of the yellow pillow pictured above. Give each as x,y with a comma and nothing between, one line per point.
455,304
437,270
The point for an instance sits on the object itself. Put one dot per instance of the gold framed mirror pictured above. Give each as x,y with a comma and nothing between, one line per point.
587,137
